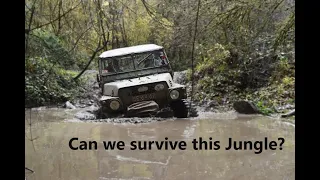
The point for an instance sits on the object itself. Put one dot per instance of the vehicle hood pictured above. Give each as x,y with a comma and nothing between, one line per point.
111,89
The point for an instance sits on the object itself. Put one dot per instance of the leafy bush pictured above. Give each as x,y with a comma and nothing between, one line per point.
215,59
263,108
283,68
49,69
48,83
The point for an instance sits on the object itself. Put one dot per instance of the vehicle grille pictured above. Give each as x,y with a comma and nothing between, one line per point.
127,93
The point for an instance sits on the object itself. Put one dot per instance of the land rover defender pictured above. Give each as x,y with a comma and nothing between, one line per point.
139,80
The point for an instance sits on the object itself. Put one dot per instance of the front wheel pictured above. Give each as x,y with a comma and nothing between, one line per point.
180,108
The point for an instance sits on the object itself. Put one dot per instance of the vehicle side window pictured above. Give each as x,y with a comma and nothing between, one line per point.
160,59
157,61
107,66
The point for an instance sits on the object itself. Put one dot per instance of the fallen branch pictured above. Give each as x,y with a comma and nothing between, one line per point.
91,58
291,113
29,170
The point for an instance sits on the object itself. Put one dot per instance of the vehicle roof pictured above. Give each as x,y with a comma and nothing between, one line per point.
130,50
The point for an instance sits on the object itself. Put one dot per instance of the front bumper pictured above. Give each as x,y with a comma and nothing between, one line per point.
162,99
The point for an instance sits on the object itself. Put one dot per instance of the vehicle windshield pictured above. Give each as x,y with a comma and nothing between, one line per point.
134,62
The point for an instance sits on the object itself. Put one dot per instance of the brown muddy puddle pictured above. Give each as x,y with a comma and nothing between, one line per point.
52,159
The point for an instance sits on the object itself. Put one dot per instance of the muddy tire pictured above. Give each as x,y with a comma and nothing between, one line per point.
180,108
192,110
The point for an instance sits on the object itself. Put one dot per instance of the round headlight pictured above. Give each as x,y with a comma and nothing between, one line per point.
174,94
114,105
159,87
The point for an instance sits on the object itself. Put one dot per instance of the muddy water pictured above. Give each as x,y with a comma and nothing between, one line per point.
51,158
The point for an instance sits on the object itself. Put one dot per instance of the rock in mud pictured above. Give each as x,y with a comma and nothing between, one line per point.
84,115
245,107
213,103
288,106
93,109
68,105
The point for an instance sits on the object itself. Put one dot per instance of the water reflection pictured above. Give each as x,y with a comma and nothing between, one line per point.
53,159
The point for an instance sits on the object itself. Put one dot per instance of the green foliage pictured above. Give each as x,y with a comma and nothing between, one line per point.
48,83
263,108
160,34
140,31
234,46
288,81
48,45
214,59
189,74
283,68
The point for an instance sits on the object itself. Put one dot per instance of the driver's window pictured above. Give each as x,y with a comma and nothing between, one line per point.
107,66
149,62
160,59
150,59
143,60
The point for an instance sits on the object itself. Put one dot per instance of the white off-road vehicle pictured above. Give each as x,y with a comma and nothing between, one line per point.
137,81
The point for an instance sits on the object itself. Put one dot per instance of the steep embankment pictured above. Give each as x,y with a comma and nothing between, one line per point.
222,79
277,98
